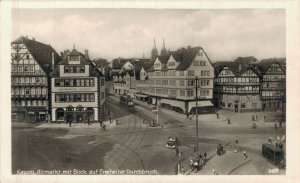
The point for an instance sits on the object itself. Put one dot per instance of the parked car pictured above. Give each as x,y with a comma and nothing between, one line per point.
172,142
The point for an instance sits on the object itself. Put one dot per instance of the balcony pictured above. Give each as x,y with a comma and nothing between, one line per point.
28,84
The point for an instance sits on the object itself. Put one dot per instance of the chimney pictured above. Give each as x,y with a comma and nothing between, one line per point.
52,61
86,54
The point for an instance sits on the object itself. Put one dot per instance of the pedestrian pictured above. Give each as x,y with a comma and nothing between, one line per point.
88,121
275,126
217,115
177,151
228,121
204,155
245,154
253,117
280,145
280,124
104,126
256,117
236,142
109,119
215,172
276,144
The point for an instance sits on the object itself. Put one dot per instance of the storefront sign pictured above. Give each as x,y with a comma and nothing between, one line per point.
71,89
30,112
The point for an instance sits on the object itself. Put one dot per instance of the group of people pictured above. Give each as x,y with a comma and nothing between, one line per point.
198,162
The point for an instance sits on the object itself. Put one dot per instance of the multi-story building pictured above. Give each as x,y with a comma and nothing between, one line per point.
31,64
273,84
131,72
172,81
78,89
236,86
244,86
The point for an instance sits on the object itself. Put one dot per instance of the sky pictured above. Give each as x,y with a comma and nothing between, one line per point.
111,33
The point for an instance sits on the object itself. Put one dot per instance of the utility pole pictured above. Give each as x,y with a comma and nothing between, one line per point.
196,114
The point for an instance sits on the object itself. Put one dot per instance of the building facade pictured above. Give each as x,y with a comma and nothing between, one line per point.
172,81
242,86
236,87
31,64
273,85
78,90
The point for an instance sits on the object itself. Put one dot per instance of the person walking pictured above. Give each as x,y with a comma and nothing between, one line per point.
205,155
103,126
109,119
245,155
228,121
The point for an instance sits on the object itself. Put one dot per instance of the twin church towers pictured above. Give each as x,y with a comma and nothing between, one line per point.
154,51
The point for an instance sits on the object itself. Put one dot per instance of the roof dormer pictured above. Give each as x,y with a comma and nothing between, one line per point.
157,64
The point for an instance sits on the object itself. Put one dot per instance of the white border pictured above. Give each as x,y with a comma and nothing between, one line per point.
293,87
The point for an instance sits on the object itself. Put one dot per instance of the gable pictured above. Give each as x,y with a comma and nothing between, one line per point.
127,65
172,63
275,68
20,55
249,72
226,72
157,64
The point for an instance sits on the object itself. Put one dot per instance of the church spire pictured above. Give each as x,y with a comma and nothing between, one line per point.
154,51
163,50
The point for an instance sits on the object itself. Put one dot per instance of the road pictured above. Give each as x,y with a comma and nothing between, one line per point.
131,145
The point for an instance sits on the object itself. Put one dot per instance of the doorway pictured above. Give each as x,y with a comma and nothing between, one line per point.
236,108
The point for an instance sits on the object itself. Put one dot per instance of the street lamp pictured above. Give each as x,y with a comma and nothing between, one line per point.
196,84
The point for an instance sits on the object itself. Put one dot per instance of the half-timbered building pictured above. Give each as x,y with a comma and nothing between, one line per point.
236,86
273,84
31,64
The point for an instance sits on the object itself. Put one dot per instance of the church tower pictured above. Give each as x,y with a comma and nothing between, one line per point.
163,50
154,51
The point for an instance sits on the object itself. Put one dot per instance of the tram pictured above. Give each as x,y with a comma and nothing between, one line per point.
273,154
126,99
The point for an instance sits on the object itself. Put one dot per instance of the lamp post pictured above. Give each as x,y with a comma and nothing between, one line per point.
196,83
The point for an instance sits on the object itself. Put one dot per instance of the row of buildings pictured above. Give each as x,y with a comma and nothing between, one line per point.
243,85
46,86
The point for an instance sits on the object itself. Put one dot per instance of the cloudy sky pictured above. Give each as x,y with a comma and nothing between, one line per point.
111,33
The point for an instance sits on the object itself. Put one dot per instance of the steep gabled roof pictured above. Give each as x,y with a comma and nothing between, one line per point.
187,56
100,62
264,64
41,52
163,58
238,67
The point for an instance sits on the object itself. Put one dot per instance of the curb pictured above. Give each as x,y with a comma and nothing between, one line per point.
238,167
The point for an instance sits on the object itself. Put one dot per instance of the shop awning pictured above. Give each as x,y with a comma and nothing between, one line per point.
205,103
141,95
174,103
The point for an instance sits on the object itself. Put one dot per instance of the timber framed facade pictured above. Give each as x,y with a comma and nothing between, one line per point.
31,64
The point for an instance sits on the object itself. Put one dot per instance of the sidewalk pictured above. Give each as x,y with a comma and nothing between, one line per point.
236,119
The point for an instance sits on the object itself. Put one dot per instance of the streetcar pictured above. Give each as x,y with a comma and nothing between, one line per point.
273,154
126,99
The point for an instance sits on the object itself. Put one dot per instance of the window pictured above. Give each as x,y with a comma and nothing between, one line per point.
172,82
67,82
15,69
81,69
92,97
82,82
102,95
27,56
181,73
181,82
67,69
27,91
190,83
165,91
229,105
57,82
31,68
243,105
26,68
20,68
38,91
171,73
190,93
191,73
182,93
173,92
37,80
